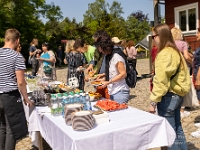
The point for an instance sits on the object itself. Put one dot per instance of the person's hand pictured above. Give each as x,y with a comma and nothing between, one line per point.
28,102
197,84
65,61
105,83
90,69
40,59
86,79
99,76
38,51
152,109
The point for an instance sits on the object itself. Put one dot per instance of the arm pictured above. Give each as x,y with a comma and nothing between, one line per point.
51,60
22,86
165,66
32,51
197,81
122,74
187,56
94,62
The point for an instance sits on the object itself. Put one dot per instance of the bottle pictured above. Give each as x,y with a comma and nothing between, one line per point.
76,98
54,105
65,101
60,98
81,97
88,103
84,101
71,98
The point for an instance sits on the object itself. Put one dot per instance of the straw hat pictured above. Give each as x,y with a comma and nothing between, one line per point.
116,40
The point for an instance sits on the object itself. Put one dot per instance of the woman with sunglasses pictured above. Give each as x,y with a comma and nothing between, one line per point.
19,48
170,83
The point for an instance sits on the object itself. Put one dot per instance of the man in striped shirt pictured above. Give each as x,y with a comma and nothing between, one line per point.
13,124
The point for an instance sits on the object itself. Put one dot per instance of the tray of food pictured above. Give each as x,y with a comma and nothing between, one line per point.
96,83
57,89
110,105
94,96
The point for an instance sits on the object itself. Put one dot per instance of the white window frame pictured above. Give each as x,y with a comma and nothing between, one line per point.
186,8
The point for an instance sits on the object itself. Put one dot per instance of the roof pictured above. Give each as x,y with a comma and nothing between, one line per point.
145,42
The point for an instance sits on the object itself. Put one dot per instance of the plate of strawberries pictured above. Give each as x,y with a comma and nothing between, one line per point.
110,105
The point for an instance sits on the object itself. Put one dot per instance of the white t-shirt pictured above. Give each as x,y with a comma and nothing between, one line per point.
120,85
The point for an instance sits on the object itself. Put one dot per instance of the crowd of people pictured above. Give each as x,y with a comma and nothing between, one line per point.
105,62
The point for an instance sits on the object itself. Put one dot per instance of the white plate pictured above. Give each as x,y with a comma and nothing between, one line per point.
55,82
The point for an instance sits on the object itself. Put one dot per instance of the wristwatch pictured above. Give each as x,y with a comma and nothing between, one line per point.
153,103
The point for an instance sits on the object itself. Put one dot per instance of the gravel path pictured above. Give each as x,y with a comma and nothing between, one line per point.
139,99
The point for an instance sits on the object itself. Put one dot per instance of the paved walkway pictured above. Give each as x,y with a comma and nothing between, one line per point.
140,100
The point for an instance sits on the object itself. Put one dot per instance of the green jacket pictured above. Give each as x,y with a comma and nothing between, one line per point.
98,59
166,64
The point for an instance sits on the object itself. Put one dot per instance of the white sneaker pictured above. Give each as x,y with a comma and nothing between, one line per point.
197,125
196,134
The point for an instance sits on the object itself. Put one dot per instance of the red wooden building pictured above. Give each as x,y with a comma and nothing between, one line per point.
184,14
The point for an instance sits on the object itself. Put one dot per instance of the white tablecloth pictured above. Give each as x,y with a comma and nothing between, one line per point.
129,129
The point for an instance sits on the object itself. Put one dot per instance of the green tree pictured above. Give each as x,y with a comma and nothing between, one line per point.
100,15
137,26
24,15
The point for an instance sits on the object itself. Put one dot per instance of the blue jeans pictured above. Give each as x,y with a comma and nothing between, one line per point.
169,107
121,97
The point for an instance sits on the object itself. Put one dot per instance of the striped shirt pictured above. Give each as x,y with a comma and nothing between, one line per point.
10,61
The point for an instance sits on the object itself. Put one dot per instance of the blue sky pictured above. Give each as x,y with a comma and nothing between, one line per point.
76,8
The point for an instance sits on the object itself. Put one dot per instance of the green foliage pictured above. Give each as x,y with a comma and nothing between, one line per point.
136,30
100,15
24,15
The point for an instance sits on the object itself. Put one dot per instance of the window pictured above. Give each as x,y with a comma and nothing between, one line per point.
186,18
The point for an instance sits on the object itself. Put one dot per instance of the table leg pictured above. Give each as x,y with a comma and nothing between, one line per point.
40,141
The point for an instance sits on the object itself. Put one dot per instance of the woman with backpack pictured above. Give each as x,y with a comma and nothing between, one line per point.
47,62
115,80
131,53
170,83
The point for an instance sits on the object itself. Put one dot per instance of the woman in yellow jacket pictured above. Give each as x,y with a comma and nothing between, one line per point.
170,83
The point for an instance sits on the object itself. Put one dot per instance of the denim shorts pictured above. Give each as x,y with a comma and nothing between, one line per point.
121,97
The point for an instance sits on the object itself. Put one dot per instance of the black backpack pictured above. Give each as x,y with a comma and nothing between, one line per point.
131,72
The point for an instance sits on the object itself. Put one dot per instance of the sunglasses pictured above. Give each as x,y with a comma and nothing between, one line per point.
153,36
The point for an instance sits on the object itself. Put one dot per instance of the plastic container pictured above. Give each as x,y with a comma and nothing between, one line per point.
54,106
88,103
84,101
76,98
60,98
71,99
65,101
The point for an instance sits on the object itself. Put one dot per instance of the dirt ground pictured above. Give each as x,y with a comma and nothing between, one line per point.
139,99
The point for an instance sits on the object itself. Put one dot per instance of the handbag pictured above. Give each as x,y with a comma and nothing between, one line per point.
30,60
190,99
47,69
73,81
